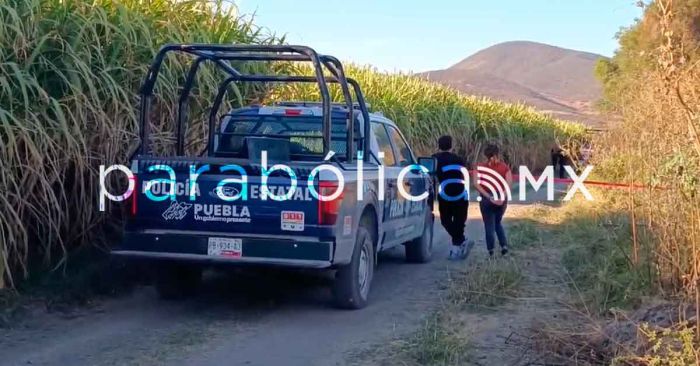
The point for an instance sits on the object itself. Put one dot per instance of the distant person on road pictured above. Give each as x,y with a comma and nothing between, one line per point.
559,161
493,186
585,155
453,196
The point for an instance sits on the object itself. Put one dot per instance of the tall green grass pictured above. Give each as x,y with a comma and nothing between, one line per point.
425,110
69,77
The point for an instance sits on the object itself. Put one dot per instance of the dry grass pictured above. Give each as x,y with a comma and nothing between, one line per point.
656,89
612,316
653,83
654,335
485,284
438,341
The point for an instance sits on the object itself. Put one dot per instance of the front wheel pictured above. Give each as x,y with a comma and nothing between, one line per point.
420,250
353,280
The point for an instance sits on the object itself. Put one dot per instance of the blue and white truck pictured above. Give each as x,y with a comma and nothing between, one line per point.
298,184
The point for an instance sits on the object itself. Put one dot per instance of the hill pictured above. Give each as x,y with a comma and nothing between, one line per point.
552,79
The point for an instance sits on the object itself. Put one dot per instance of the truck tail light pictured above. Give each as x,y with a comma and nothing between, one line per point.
328,210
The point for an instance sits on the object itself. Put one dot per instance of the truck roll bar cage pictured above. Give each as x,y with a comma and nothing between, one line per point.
221,55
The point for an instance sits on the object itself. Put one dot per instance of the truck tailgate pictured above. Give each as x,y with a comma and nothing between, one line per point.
296,216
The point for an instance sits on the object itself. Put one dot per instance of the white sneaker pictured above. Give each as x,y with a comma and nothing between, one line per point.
455,253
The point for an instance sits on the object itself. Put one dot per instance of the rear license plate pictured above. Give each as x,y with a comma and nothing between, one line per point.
225,247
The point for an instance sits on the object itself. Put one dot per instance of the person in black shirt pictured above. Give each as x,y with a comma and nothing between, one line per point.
453,197
559,161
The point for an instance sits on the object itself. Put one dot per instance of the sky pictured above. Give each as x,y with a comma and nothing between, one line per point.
412,35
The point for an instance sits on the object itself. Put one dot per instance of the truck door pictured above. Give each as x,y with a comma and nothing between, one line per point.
391,173
413,183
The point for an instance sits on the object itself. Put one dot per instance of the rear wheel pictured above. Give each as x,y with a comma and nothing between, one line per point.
352,281
420,250
176,281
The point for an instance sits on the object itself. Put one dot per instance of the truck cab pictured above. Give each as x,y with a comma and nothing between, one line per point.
315,185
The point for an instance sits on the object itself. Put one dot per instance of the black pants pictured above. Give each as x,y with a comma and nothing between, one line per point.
492,216
453,215
559,162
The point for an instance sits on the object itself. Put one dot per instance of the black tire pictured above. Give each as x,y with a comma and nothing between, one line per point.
420,249
349,290
176,281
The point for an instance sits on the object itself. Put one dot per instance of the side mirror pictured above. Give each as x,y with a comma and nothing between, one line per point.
429,163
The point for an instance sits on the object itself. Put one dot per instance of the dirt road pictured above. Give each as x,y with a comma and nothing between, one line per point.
243,318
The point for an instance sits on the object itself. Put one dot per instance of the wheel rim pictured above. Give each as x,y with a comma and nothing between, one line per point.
364,271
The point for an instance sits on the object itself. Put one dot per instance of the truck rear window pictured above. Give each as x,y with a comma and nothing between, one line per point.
304,134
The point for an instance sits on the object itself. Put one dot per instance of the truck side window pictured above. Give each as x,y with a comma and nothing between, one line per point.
402,150
384,143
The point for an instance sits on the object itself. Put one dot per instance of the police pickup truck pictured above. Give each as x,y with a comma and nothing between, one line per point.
299,184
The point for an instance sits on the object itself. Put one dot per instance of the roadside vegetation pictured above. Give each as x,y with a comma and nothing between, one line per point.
571,293
574,292
643,246
653,82
632,257
477,290
611,314
438,341
485,285
70,72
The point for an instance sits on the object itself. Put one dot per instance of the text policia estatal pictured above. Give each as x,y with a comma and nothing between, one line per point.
236,187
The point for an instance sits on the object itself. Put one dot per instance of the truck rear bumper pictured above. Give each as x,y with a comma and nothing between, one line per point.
259,251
